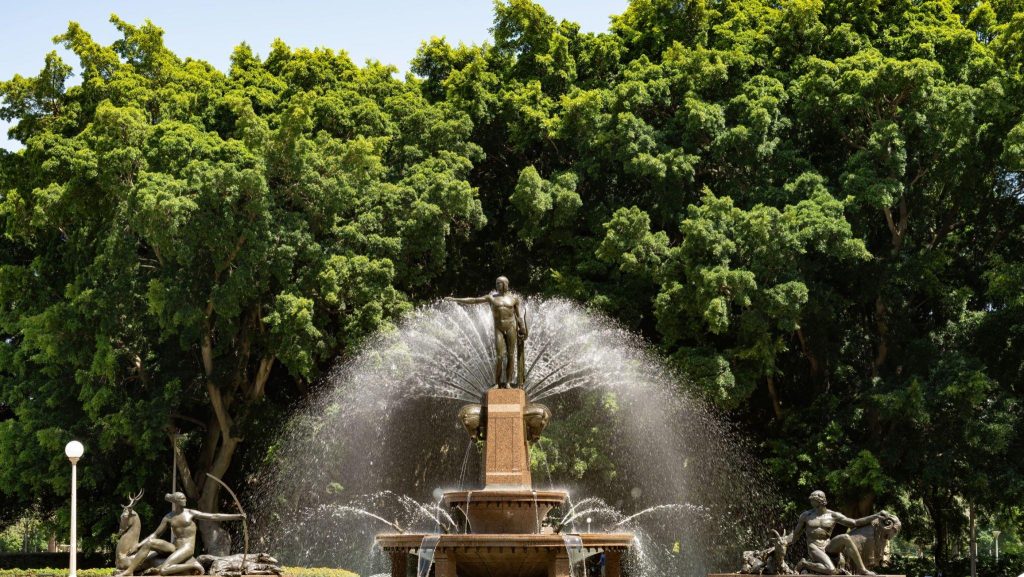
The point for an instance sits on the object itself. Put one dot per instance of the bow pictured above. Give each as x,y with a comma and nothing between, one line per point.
245,522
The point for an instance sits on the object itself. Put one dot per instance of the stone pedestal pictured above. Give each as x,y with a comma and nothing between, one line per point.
444,566
399,563
506,460
559,566
613,564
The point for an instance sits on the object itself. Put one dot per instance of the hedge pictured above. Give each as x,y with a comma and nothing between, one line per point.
1009,566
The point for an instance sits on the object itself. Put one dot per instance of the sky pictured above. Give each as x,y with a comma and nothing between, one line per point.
384,30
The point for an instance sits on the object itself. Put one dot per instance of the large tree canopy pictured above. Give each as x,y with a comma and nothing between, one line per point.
179,241
813,208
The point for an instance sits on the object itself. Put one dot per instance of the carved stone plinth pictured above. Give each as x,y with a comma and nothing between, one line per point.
506,460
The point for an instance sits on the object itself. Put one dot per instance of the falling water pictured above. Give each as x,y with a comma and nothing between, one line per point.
425,555
574,550
626,439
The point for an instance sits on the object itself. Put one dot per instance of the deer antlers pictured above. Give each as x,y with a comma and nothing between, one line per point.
132,500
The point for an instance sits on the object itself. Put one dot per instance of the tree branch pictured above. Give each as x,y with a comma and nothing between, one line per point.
187,482
206,348
223,418
231,257
209,449
193,420
811,357
881,312
889,221
262,374
141,370
774,394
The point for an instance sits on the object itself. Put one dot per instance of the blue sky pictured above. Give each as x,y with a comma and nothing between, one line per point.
385,30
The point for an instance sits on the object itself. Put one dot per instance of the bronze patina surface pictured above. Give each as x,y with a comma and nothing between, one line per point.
510,332
181,522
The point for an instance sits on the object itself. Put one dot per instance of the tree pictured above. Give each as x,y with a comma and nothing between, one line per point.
812,207
182,241
804,204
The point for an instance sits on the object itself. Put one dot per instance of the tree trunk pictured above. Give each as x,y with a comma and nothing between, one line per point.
812,359
216,540
937,512
882,326
974,542
865,504
774,394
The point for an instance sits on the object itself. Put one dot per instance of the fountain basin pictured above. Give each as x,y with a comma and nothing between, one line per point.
493,511
503,555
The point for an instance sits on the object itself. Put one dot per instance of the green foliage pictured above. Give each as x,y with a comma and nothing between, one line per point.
186,245
1008,566
577,446
54,572
812,207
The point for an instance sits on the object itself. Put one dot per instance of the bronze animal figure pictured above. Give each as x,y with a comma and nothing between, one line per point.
129,529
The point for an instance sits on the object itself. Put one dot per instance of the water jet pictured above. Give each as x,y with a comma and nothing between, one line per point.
386,434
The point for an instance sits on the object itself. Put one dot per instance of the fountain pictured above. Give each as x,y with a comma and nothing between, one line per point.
506,535
378,448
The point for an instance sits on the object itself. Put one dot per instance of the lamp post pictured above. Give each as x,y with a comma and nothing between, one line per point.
74,451
995,536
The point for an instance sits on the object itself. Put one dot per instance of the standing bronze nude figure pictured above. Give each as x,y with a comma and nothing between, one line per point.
818,522
180,554
510,332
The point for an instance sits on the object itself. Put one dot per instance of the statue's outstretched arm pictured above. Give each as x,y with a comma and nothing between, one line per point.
154,535
866,520
848,522
468,300
218,516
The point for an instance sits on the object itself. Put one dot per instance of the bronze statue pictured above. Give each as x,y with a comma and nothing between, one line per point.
510,332
471,417
180,554
129,529
818,523
872,540
536,417
770,561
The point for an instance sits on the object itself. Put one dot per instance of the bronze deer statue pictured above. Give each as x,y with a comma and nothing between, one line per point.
129,528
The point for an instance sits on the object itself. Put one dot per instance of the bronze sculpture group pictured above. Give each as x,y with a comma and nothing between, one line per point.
154,555
858,551
174,557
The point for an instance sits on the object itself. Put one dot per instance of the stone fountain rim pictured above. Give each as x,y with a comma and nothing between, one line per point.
408,541
503,495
